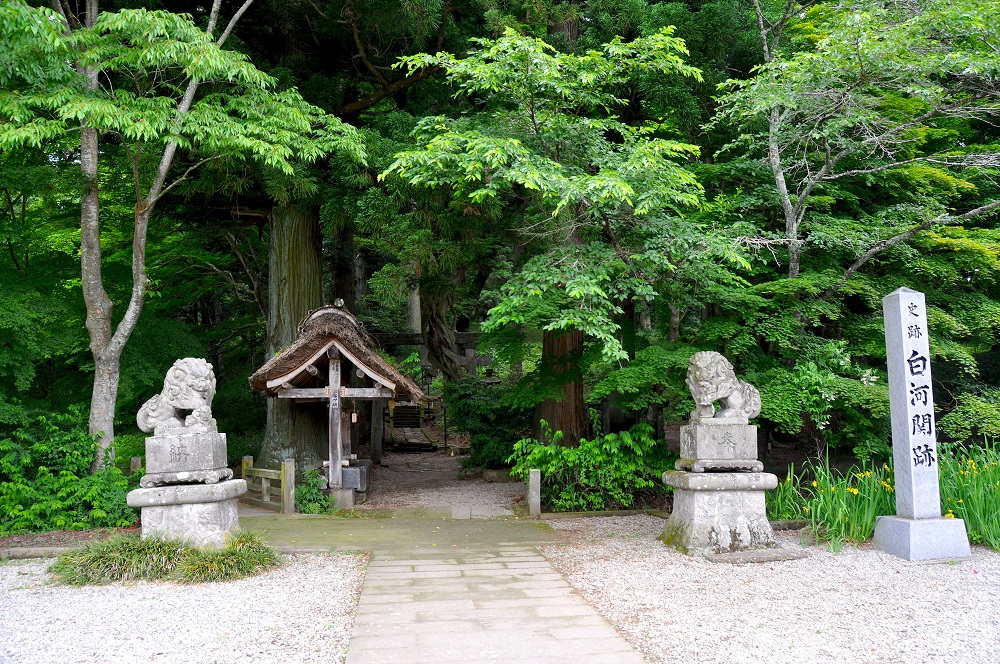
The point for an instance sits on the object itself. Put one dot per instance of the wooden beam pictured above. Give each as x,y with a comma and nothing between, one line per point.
367,393
304,393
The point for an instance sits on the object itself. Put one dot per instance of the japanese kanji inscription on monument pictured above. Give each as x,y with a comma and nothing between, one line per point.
912,402
917,532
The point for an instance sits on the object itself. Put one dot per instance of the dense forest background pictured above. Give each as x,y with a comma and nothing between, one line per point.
602,187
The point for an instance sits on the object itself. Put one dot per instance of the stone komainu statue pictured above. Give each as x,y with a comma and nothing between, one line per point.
186,399
711,378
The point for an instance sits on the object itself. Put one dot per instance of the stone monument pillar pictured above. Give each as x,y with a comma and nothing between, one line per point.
187,492
718,482
918,531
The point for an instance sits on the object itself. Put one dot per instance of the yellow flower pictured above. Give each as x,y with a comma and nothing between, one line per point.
886,466
853,490
805,509
960,500
815,483
949,515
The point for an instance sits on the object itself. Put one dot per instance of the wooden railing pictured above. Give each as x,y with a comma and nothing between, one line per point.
280,483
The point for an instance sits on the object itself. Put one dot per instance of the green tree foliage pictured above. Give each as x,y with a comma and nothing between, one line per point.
159,84
546,138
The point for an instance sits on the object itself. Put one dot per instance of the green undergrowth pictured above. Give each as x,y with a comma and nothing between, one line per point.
131,558
614,471
309,498
46,483
843,507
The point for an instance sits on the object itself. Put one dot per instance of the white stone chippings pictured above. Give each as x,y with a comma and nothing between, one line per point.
858,605
302,612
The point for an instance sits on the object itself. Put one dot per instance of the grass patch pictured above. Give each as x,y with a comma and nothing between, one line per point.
130,558
842,507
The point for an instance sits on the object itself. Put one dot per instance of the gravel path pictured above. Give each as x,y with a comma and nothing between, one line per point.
858,605
302,612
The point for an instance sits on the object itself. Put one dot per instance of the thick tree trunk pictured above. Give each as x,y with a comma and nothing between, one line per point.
561,353
104,393
675,323
294,289
344,277
103,398
442,350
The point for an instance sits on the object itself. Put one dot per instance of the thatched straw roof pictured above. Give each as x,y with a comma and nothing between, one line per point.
322,329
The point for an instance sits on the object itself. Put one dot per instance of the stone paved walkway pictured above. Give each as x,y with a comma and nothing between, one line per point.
443,590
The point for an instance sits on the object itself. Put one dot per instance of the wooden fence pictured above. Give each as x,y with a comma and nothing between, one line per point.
276,487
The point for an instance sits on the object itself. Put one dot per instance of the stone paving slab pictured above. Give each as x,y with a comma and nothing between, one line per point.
444,590
498,608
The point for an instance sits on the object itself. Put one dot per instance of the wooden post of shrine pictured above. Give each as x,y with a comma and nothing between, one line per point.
335,430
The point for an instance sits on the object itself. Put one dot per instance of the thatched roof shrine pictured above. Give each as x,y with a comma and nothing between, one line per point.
325,332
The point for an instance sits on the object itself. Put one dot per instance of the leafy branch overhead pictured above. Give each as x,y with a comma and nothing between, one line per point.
147,59
543,130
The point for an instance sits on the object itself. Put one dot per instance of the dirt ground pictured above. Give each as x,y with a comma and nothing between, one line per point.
63,537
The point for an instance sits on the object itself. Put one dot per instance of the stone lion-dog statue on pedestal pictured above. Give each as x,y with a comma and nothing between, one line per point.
712,378
185,401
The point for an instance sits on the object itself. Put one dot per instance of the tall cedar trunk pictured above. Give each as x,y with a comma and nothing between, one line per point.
294,289
561,353
442,349
344,278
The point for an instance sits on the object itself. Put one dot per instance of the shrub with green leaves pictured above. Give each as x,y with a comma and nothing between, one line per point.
131,558
309,499
609,472
45,480
492,421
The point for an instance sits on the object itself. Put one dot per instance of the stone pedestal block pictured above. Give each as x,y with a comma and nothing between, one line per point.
718,512
719,438
343,498
922,539
200,514
186,477
185,452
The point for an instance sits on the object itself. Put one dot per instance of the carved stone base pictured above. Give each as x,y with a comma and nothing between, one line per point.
718,438
185,452
186,477
200,514
718,512
719,465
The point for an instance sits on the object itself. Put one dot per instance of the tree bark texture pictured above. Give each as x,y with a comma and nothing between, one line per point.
561,353
442,349
344,277
294,289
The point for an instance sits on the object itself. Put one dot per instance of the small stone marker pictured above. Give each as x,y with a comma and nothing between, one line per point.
918,531
535,492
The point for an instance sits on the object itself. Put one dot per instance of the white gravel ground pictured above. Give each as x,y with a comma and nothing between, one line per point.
302,612
858,605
